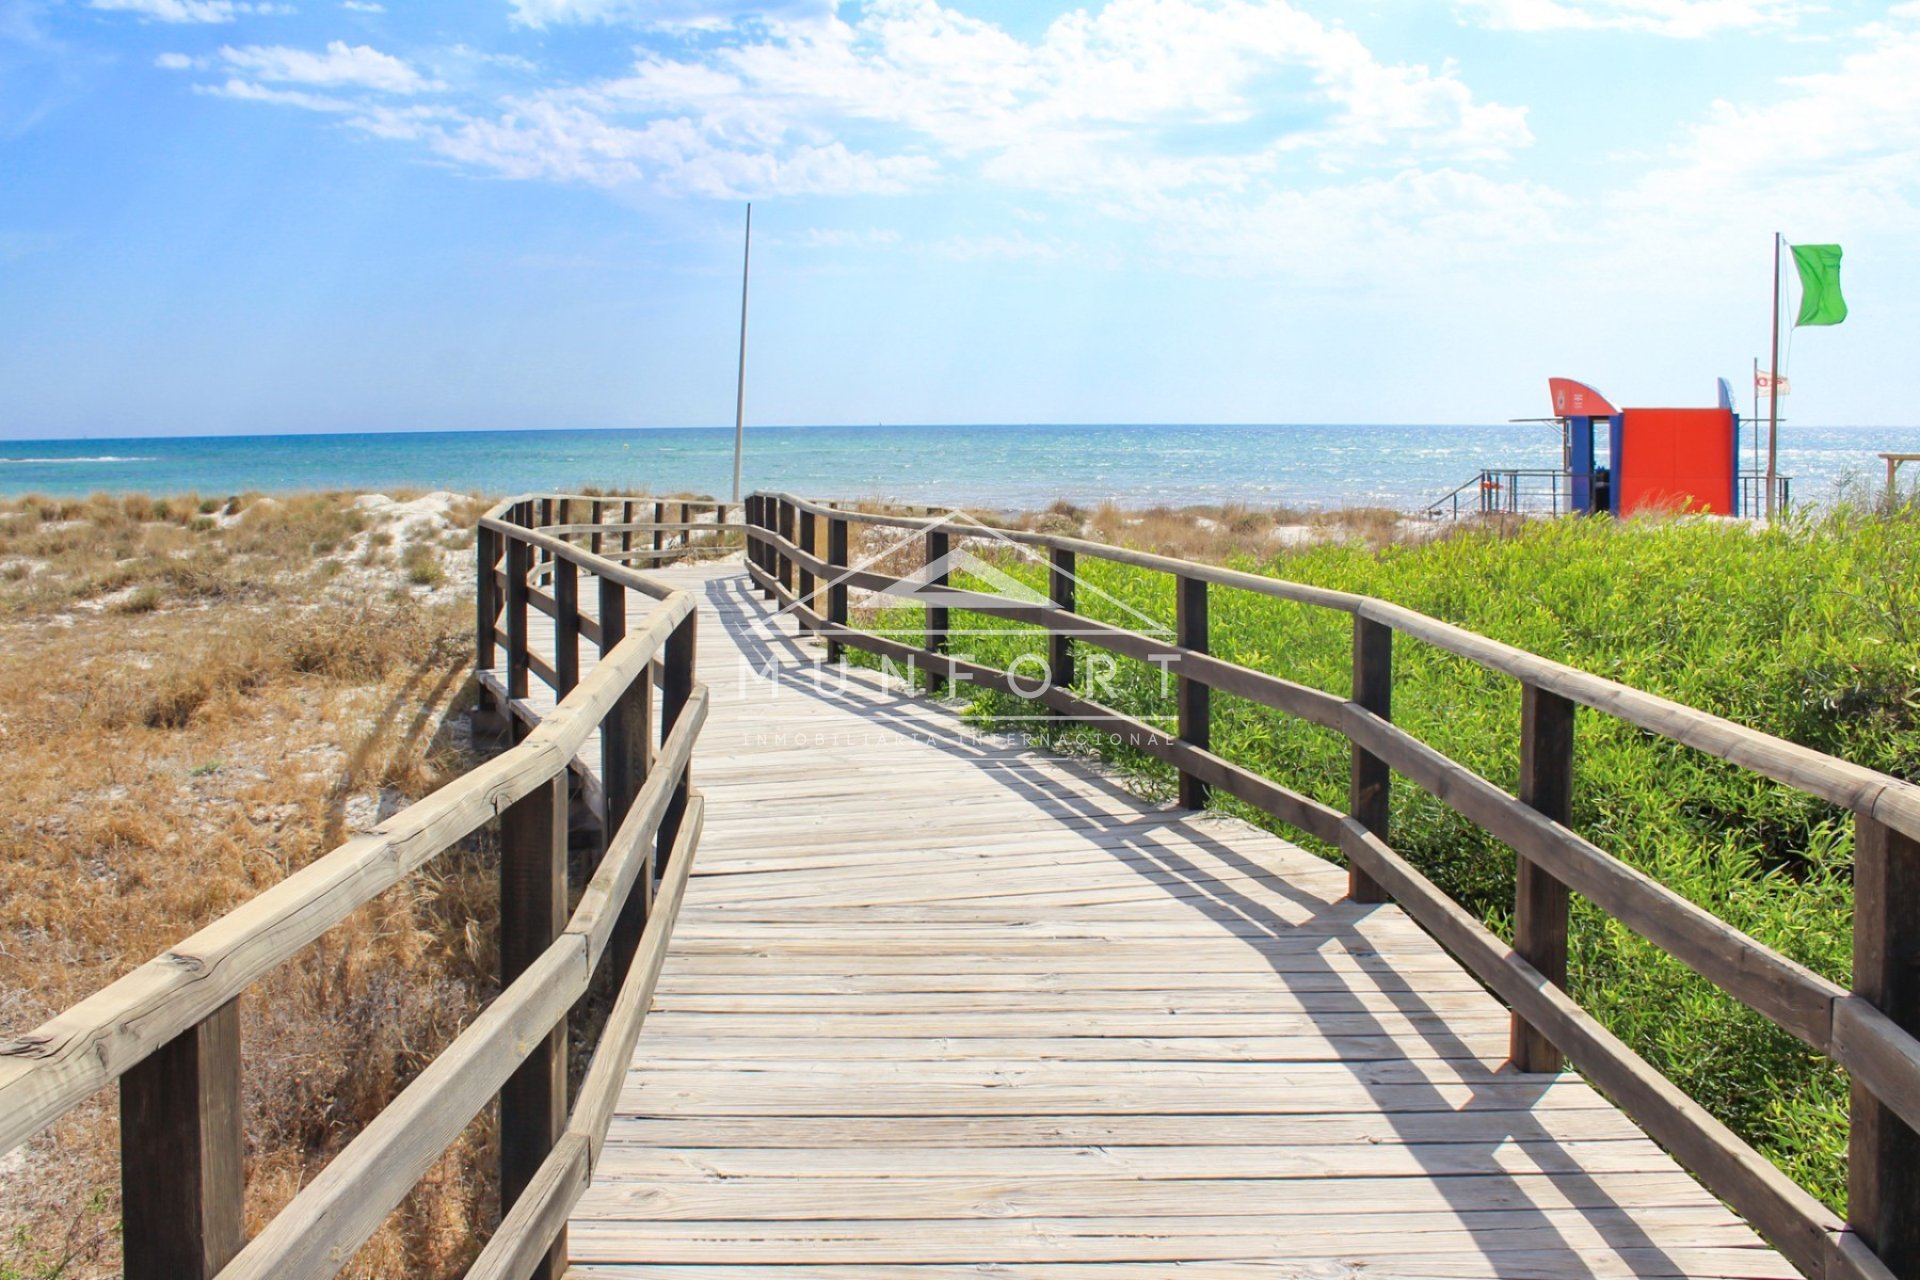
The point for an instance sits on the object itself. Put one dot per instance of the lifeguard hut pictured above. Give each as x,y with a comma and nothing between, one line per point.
1672,460
1622,462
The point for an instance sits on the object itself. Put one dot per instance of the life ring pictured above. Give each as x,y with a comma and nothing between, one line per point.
1490,484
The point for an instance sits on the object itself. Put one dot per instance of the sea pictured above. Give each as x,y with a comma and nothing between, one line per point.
987,467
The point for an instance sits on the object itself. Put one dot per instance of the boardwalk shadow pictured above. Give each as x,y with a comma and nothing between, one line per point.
1181,856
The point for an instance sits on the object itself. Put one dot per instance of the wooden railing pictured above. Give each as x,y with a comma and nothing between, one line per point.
169,1032
799,554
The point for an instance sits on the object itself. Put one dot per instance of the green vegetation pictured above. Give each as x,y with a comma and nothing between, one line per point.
1810,631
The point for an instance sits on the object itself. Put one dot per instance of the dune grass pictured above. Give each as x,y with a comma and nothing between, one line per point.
196,698
1810,631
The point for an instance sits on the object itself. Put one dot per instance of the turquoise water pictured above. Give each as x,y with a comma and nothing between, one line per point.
988,466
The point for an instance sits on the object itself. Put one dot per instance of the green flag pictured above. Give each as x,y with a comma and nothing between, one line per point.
1820,300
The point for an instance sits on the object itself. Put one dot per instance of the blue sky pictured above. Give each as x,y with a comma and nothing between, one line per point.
309,215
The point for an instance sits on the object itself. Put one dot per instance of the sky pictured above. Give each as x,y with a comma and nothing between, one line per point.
263,216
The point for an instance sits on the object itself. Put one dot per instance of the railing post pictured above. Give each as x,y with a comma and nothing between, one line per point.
626,758
1194,698
566,625
1370,789
1539,900
837,585
1060,583
939,575
533,912
1883,1154
787,531
676,690
768,519
519,565
806,544
182,1154
597,512
626,531
659,534
486,597
686,534
546,521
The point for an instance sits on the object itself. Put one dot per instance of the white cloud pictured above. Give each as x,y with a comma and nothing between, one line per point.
1238,116
668,14
340,65
362,6
247,91
1828,155
189,11
1677,18
1138,96
174,62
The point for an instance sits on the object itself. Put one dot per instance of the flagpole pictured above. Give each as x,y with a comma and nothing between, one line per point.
740,392
1773,392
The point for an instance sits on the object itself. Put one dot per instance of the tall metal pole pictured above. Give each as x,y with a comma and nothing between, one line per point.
1773,392
740,394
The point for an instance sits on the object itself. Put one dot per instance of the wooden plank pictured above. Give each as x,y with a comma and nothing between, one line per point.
1352,1258
1125,1239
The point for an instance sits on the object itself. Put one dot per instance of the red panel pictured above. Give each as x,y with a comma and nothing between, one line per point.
1577,400
1676,460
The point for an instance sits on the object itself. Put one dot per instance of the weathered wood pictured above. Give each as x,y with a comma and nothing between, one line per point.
519,565
806,564
182,1154
596,510
626,527
1540,904
47,1072
533,912
541,602
538,1223
1792,1220
627,742
1883,1165
676,692
659,519
486,596
837,584
938,575
566,631
1192,697
788,530
1792,996
1862,790
1370,789
342,1207
1062,579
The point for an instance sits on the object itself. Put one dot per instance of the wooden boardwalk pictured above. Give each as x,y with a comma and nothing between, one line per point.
941,1007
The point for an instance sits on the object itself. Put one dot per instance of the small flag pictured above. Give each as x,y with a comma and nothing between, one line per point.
1763,381
1820,300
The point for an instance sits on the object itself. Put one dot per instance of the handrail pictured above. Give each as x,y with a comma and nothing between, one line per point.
1868,1030
168,1031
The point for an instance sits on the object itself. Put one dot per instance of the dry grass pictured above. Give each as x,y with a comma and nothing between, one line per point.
189,715
1207,534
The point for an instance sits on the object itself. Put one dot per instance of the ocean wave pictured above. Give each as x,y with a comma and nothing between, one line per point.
26,462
